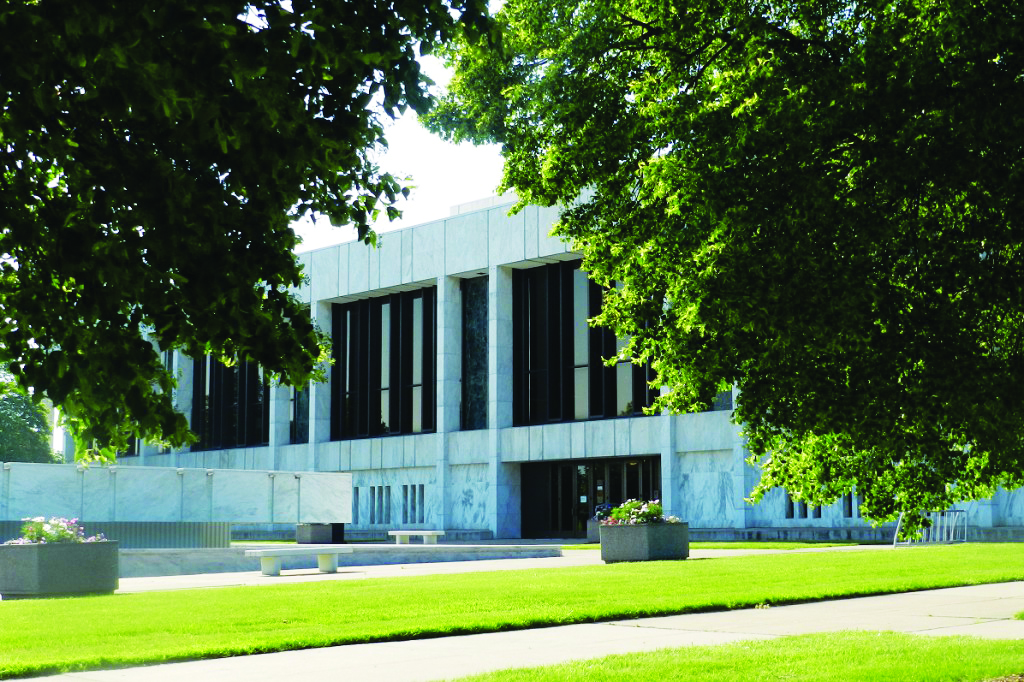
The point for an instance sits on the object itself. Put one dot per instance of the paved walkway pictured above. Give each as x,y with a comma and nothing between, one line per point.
982,611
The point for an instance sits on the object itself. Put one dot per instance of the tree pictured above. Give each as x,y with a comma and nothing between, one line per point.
152,156
24,428
818,202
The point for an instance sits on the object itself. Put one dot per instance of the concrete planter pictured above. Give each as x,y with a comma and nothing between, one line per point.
593,530
645,542
58,569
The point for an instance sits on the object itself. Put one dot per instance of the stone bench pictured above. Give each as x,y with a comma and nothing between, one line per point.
326,557
429,536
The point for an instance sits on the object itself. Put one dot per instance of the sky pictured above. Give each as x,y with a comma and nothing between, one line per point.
443,175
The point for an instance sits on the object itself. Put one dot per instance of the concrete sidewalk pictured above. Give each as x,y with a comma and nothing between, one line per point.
981,611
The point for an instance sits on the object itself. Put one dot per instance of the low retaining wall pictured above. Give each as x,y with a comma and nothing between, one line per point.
139,563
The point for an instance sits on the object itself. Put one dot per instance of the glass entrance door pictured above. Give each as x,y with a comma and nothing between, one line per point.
558,497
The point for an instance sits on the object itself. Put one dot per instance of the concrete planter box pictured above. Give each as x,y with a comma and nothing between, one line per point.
593,530
58,569
645,542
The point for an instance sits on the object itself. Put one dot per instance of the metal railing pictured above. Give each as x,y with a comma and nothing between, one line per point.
947,527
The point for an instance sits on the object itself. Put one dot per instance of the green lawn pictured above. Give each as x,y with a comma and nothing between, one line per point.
160,626
766,544
833,657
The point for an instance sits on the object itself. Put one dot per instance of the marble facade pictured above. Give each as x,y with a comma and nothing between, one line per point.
471,479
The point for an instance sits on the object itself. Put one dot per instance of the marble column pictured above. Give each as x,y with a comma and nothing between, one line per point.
670,493
280,418
504,486
449,389
183,397
320,393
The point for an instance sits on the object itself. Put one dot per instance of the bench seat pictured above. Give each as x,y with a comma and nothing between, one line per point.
429,536
326,557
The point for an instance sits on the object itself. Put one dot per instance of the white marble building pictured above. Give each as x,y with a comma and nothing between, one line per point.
468,396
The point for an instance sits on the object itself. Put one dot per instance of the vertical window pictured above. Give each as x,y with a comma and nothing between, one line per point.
722,401
623,385
383,374
133,448
474,353
558,360
412,503
581,344
169,364
355,505
416,387
385,367
230,405
380,504
298,426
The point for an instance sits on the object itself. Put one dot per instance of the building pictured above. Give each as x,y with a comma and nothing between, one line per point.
469,395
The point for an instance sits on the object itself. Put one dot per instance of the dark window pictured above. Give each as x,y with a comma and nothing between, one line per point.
133,448
384,360
230,405
169,364
298,427
558,361
723,401
474,353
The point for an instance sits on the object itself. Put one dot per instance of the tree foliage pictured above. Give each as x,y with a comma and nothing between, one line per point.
816,201
24,427
152,156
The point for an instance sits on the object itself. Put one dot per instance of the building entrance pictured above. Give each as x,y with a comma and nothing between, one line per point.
558,497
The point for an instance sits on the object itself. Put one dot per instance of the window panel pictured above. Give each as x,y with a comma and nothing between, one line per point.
417,340
624,389
474,353
580,313
385,345
230,405
417,409
581,386
388,343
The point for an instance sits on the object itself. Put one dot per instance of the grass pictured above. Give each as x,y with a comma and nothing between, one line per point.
765,544
875,656
151,627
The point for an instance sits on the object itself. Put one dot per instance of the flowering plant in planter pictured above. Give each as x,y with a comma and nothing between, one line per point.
640,531
42,531
637,512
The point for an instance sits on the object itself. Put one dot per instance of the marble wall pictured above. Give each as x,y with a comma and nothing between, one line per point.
139,494
705,484
379,499
469,487
1008,508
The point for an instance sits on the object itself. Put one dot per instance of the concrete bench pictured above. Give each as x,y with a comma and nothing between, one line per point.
326,557
429,536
